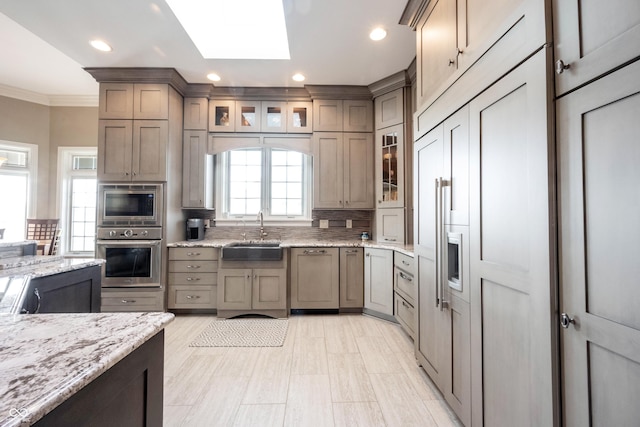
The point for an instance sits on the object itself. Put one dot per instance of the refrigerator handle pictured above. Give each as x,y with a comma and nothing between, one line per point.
437,238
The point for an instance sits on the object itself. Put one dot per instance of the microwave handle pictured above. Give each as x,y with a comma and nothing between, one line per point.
129,242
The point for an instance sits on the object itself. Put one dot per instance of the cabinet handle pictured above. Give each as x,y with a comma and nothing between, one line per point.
389,240
404,262
561,66
36,292
367,254
451,62
351,251
405,277
314,252
255,277
128,301
190,279
193,253
193,296
405,304
193,266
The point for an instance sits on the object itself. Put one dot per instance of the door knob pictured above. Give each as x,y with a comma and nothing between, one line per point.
565,320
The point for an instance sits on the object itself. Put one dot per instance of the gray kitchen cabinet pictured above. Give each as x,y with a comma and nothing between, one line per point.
351,277
315,278
590,39
389,109
390,225
343,170
389,154
132,299
133,146
196,114
378,282
260,290
193,278
342,115
76,291
222,115
248,116
197,171
274,116
404,292
300,117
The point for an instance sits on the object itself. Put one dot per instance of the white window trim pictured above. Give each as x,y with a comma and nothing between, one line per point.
63,199
225,220
31,170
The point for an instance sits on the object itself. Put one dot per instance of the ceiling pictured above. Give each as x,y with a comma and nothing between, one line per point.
46,45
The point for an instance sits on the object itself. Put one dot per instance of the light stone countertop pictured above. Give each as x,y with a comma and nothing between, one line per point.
219,243
44,265
14,243
46,358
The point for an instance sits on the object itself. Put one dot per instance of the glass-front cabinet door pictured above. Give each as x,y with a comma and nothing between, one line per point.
299,118
274,116
390,170
222,115
248,116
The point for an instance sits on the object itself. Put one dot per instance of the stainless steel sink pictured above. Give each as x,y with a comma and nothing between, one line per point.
252,251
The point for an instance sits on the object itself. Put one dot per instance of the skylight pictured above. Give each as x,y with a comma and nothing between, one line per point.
234,29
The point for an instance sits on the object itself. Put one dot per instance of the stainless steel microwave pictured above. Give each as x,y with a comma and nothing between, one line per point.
130,204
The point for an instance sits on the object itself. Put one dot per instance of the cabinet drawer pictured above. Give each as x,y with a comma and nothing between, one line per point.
132,302
192,297
193,266
193,279
405,315
404,284
404,262
193,253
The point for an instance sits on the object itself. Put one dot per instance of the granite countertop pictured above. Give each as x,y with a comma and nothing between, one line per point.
14,243
44,265
219,243
46,358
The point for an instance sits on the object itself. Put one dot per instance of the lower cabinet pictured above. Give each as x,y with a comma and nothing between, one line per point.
404,293
351,277
315,278
132,299
193,278
390,225
247,290
378,281
76,291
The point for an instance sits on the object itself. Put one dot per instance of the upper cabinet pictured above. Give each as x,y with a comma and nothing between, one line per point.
343,171
260,116
134,101
389,109
592,38
342,115
196,113
134,130
390,167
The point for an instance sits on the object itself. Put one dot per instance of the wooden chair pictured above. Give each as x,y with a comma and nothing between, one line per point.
44,231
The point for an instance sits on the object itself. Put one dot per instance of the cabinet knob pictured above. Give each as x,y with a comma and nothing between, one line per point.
561,66
452,62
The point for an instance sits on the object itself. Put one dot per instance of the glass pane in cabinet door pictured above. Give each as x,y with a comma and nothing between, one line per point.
248,116
274,117
222,116
299,117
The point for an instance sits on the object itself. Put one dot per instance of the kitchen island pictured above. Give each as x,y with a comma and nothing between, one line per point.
81,369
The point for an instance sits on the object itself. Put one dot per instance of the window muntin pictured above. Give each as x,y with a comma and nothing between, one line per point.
274,181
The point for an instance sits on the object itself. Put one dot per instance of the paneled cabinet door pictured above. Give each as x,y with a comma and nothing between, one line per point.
389,109
357,115
378,280
598,155
315,278
115,148
358,175
327,115
234,289
456,168
351,277
197,171
248,116
437,47
510,231
116,101
269,289
151,101
196,113
222,115
149,158
390,225
328,170
274,116
592,38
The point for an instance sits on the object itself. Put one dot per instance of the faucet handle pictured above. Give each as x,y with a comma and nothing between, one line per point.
244,236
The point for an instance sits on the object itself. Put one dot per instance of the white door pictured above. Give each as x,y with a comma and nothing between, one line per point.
599,205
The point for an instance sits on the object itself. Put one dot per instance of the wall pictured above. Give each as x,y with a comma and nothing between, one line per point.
48,128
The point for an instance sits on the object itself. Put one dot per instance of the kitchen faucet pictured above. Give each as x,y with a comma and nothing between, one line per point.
261,221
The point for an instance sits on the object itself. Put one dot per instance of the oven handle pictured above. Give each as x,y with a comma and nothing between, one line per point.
129,242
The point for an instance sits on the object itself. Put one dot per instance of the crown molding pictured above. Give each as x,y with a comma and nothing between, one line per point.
140,75
49,100
339,92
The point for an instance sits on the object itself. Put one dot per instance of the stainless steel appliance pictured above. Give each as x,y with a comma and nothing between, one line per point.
130,205
133,256
195,229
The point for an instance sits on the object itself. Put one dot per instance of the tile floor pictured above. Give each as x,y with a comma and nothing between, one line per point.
346,370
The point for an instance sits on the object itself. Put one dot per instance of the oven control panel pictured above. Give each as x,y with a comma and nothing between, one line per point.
134,233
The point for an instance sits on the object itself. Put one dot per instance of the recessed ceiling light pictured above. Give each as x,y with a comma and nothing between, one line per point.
100,45
223,29
213,77
378,34
298,77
